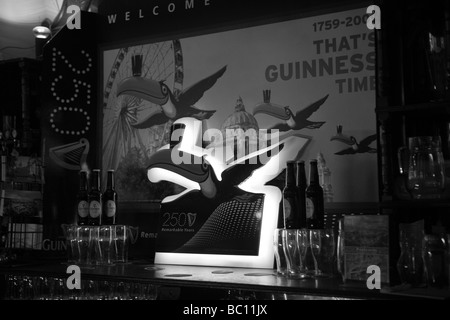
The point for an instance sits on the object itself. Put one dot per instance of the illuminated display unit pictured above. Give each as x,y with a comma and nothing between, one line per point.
218,210
226,214
310,80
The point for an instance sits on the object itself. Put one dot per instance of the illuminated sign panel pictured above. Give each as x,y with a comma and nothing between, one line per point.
227,213
224,95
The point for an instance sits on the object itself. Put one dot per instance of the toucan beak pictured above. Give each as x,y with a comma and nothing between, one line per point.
144,88
197,171
271,109
343,138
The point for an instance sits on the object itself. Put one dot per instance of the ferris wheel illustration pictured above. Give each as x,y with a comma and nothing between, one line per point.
161,61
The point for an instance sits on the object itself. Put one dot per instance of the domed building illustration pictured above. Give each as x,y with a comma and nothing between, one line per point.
240,134
240,119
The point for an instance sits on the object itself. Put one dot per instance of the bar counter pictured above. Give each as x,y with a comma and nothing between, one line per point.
208,282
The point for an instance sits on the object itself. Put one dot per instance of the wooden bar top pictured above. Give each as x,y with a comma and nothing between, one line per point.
208,277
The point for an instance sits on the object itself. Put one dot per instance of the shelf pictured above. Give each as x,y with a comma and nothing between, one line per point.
351,207
441,107
374,207
428,293
413,203
23,195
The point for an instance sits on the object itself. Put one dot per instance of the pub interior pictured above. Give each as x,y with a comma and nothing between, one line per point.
225,150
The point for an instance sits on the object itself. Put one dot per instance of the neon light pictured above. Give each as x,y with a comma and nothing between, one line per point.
287,149
76,85
159,174
56,54
73,96
60,109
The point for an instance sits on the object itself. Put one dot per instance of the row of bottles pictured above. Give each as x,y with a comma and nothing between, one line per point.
303,204
93,206
9,140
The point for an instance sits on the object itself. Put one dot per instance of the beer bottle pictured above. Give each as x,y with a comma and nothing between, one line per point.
301,189
82,200
95,200
110,200
314,199
290,199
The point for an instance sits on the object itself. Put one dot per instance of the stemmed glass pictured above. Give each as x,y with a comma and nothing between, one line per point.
89,290
104,290
121,291
59,287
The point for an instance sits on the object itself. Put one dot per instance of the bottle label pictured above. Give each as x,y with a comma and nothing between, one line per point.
287,208
309,208
95,209
110,208
83,209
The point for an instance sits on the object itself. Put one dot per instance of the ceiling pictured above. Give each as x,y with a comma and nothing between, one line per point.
19,17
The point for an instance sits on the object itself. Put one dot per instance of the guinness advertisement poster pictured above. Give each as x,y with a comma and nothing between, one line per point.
310,79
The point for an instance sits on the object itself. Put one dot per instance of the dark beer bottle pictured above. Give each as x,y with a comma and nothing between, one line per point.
110,200
82,200
95,200
314,199
301,189
290,199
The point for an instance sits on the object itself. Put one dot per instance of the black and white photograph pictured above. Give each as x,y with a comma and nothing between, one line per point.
234,152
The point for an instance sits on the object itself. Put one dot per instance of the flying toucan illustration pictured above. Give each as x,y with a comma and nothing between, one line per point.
227,199
199,174
356,147
229,214
170,107
292,122
202,169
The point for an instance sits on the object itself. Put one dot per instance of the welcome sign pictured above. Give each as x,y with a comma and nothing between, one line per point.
311,80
